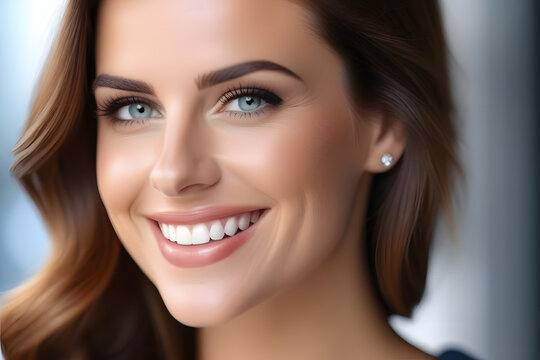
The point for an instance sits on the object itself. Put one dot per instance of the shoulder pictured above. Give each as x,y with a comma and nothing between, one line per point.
454,355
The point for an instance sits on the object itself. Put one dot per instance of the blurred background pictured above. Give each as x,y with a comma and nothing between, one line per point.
483,291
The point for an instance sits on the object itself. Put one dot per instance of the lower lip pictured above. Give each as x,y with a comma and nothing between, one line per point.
189,256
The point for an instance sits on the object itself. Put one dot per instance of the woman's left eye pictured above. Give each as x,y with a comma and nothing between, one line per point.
245,104
248,101
137,111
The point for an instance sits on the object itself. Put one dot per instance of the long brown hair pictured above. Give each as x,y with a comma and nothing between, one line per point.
78,305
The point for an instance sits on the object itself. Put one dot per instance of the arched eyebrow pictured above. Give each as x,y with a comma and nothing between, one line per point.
120,83
203,81
235,71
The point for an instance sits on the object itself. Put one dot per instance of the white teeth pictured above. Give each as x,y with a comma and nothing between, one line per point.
200,234
243,221
164,230
183,235
216,231
231,227
255,216
172,232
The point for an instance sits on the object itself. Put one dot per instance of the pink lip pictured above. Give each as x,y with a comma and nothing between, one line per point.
189,256
199,216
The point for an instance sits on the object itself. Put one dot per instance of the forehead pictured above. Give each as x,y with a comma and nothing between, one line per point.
186,36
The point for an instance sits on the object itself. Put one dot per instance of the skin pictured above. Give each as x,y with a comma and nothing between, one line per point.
299,288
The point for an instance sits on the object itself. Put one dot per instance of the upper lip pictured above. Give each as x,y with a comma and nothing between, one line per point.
201,215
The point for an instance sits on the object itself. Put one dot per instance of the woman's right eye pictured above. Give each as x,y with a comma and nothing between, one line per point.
137,111
128,110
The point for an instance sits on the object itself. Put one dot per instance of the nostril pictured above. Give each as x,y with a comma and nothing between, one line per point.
169,181
171,187
173,175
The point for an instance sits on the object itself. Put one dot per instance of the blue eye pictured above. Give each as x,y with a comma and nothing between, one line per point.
248,101
129,110
245,104
137,111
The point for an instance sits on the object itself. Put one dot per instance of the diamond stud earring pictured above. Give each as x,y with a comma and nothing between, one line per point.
387,159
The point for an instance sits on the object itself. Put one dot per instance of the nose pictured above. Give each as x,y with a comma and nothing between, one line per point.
184,163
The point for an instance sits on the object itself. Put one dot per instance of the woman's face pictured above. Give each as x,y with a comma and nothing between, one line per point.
220,110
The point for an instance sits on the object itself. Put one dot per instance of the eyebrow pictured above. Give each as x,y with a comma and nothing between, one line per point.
235,71
203,81
120,83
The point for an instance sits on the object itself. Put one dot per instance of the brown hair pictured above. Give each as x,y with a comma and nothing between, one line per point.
77,306
395,56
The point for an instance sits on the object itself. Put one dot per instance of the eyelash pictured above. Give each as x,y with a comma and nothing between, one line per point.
110,106
268,96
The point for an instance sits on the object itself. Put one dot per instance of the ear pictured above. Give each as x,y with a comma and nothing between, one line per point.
388,138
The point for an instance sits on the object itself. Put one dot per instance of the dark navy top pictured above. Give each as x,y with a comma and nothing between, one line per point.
454,355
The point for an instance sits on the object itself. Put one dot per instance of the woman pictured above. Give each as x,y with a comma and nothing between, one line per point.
273,171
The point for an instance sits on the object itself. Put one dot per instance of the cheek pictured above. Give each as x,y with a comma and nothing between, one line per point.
308,152
305,149
306,162
122,165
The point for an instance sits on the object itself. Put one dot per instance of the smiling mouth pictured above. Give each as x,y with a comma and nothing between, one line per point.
205,232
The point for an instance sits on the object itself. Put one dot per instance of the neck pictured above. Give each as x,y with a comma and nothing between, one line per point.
333,313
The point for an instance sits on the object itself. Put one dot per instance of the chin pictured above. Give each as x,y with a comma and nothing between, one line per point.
203,306
201,311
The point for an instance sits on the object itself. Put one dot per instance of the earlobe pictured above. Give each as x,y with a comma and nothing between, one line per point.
387,145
